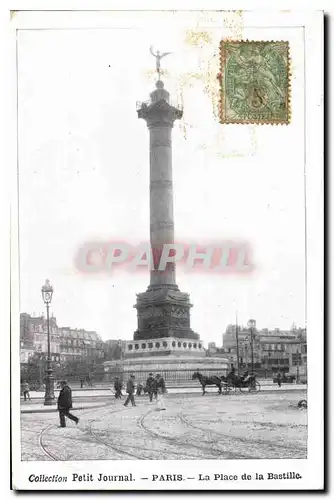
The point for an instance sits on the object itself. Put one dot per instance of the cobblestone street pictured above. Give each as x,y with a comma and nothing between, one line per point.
211,427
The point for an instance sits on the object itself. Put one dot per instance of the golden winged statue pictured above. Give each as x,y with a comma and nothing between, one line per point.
158,56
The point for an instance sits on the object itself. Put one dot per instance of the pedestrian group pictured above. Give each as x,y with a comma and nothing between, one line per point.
155,388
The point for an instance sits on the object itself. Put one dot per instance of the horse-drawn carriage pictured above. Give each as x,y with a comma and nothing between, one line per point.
245,383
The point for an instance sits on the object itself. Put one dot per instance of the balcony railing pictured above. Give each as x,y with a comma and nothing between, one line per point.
145,104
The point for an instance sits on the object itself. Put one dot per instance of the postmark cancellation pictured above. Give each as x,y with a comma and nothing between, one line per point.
254,82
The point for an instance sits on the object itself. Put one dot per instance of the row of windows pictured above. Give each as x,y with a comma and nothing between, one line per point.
54,331
269,347
68,358
77,342
274,347
273,361
78,335
164,344
43,347
82,351
42,329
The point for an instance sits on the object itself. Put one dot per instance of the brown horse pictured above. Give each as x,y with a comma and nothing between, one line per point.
204,381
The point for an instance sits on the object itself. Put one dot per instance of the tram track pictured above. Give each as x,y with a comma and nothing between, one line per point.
208,450
44,447
136,456
204,452
108,444
96,438
240,439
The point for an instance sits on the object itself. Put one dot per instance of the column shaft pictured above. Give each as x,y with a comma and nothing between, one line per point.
161,201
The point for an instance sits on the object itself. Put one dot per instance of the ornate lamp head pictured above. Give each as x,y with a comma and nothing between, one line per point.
47,291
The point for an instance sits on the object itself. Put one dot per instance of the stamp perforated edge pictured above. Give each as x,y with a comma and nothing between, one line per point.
222,59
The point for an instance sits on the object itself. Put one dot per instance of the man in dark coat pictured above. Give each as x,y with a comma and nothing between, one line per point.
151,386
279,379
25,390
232,375
65,404
118,388
130,389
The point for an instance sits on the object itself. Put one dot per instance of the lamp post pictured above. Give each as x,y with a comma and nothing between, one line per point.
47,291
246,351
251,326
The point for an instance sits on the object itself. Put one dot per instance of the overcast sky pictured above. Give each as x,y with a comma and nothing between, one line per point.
84,176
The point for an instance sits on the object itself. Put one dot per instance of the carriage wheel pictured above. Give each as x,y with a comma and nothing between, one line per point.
255,387
226,388
244,388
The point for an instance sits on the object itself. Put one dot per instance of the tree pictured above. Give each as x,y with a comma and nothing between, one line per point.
34,371
112,352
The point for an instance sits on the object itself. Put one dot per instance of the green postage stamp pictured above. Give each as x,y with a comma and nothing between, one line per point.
255,82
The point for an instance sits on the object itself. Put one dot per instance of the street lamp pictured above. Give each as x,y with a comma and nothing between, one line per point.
246,351
47,291
251,325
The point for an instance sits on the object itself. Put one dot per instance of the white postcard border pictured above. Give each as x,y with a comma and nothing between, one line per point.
311,469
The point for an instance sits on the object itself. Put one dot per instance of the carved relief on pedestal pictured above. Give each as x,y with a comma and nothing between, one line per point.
178,312
163,312
156,324
151,312
180,322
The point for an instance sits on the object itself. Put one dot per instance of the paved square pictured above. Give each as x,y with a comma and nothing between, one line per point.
250,426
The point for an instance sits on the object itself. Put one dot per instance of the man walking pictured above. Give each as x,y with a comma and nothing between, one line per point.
279,379
130,389
25,390
161,390
65,404
150,386
118,388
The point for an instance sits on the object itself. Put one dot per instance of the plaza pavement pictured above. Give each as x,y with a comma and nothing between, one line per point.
237,426
100,393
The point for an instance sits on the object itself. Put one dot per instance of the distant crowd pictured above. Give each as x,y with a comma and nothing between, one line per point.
155,388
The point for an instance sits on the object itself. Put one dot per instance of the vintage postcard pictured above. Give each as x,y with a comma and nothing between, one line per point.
166,265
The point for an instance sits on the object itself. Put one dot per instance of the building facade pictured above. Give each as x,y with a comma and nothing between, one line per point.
67,344
79,344
33,336
273,350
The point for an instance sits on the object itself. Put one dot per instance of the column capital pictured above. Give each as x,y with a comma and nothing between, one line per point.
159,114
